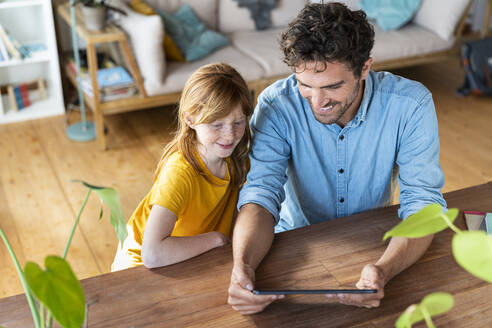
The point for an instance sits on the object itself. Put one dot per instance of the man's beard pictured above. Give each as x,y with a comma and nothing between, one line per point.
341,112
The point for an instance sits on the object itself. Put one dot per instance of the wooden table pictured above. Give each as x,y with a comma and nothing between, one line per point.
331,254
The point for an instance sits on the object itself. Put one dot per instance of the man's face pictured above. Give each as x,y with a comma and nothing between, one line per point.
334,94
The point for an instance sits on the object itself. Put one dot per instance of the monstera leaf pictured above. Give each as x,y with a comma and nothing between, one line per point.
110,197
58,289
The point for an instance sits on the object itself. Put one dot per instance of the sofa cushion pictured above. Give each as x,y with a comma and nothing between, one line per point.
232,18
440,16
178,73
145,36
408,41
390,14
206,10
264,48
194,40
170,47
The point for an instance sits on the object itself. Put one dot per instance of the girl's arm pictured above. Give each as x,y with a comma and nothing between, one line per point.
160,249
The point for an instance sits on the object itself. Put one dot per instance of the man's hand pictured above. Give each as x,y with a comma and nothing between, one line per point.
240,296
372,277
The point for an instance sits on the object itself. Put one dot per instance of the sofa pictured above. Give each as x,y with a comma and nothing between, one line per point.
433,33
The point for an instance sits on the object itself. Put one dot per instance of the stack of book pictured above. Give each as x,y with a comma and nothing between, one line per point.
113,82
10,48
19,96
22,96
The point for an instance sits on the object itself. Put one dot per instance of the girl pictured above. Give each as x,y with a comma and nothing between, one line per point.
190,207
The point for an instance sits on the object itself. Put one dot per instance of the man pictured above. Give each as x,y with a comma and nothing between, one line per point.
331,140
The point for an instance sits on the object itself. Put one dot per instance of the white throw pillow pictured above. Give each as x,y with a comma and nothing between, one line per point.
440,16
146,34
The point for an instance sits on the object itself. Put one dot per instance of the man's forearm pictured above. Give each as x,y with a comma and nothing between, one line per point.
402,253
253,235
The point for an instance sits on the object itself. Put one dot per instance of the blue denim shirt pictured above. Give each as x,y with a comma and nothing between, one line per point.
305,172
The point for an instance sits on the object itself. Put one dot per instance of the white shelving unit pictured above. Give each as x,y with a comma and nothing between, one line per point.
31,21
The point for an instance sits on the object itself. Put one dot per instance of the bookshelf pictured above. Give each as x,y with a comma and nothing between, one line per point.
29,22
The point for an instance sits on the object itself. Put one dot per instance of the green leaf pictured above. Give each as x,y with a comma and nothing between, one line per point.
58,289
435,304
88,185
438,303
405,319
425,222
111,198
473,251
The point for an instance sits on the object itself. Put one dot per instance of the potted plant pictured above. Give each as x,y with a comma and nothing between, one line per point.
56,292
94,12
472,250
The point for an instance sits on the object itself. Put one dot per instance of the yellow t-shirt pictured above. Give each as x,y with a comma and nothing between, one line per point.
200,207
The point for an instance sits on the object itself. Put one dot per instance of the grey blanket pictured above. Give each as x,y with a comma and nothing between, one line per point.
259,11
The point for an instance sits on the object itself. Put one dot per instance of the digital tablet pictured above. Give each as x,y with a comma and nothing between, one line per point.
312,291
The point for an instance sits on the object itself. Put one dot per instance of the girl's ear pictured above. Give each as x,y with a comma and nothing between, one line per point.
189,122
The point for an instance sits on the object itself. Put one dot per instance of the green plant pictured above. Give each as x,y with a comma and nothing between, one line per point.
471,249
56,289
90,3
97,4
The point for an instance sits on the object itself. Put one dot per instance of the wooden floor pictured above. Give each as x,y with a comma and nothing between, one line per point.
38,201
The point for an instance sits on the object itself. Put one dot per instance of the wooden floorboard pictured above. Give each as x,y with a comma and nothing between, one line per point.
38,201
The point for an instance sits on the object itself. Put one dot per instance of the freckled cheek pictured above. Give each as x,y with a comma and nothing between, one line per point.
239,134
208,136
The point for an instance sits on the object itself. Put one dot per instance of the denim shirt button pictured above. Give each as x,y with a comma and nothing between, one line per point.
341,171
342,200
341,137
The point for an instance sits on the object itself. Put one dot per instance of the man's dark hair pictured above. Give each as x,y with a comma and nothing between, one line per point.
328,32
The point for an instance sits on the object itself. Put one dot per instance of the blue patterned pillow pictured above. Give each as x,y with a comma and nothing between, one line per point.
390,14
191,36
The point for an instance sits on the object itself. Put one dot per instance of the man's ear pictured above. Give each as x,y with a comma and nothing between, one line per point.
366,68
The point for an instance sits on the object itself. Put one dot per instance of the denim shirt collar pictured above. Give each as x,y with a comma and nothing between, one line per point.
364,104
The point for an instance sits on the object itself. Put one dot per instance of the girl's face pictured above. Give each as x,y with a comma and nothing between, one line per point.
218,139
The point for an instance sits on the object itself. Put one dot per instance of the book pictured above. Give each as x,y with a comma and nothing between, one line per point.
113,76
113,83
24,95
3,50
114,94
474,219
14,53
18,97
17,45
34,50
478,221
13,102
488,223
